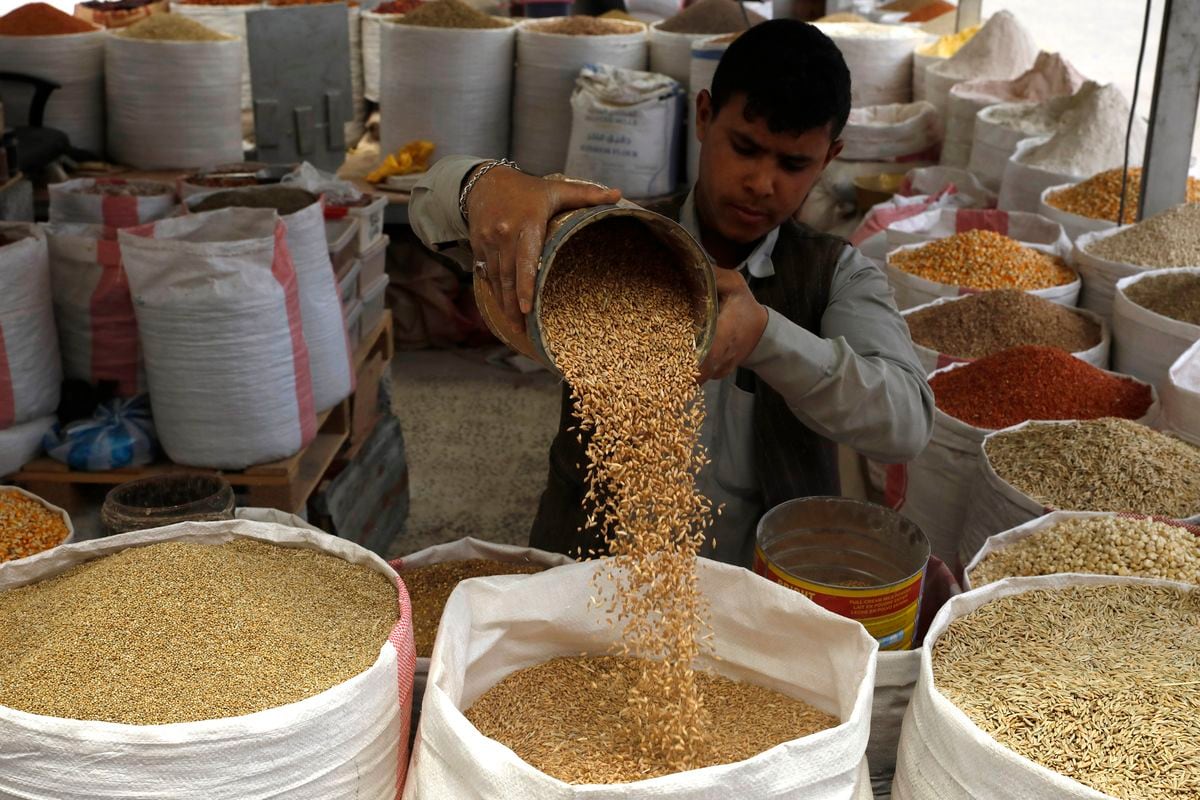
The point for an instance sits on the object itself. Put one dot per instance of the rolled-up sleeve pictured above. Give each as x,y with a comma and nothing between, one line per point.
433,208
859,383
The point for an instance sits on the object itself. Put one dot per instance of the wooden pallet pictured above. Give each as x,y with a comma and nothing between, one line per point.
285,484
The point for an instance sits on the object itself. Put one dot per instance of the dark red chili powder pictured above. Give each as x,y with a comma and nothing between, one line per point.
1038,383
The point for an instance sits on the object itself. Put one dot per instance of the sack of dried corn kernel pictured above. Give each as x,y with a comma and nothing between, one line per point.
1028,229
114,202
350,740
495,626
1145,342
30,368
1075,225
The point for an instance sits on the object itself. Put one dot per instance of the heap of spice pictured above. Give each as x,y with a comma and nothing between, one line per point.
1034,382
396,7
1099,197
978,325
711,16
450,14
40,19
982,260
1173,295
26,526
583,26
283,199
172,28
261,626
1100,465
429,588
949,44
1169,239
1097,683
1108,545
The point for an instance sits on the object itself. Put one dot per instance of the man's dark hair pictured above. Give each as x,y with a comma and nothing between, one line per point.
792,75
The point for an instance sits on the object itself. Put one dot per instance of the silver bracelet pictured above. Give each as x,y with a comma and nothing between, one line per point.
479,173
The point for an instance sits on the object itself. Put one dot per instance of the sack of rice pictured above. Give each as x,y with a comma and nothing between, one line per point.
1156,317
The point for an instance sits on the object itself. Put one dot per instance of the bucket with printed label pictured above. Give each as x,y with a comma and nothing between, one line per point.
854,558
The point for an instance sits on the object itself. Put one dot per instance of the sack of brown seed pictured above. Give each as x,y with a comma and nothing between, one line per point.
495,626
306,743
1155,318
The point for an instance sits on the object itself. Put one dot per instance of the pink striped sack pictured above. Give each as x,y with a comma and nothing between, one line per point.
219,318
97,329
30,369
114,202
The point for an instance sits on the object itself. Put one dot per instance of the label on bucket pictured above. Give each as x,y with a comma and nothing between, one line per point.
889,613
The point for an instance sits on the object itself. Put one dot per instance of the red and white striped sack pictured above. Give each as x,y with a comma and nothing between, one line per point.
71,202
30,368
219,317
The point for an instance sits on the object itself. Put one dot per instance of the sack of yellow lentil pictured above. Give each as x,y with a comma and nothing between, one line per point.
1146,342
349,740
495,626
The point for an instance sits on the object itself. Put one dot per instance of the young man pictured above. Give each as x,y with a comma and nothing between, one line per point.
809,348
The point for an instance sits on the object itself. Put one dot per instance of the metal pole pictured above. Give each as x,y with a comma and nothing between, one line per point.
1173,109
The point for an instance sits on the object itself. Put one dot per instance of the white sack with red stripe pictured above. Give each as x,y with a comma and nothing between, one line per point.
349,741
97,327
218,312
30,369
73,202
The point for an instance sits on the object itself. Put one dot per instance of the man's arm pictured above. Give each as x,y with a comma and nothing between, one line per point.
860,385
433,209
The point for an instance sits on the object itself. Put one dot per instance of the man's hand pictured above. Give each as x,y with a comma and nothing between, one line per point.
740,324
507,212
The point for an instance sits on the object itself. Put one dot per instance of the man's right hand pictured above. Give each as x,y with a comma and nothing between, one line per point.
508,212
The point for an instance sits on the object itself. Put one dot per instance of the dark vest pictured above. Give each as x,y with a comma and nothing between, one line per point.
791,460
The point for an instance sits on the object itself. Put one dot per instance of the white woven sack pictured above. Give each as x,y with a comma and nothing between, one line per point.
992,145
1181,396
70,203
1074,224
1100,276
547,66
451,86
1030,230
912,290
494,626
229,20
944,755
706,54
880,59
73,60
218,311
348,741
30,368
670,53
461,550
931,359
935,179
173,104
895,132
21,443
1022,186
1145,343
921,63
97,327
895,678
961,107
372,50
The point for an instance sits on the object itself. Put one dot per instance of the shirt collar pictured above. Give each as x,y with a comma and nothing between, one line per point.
758,263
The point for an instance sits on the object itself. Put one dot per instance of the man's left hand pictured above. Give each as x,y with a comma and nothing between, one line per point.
740,324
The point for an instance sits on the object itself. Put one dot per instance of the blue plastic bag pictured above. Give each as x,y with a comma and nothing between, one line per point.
119,434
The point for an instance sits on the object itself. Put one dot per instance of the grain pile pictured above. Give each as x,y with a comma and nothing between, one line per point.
564,717
981,260
1176,296
284,200
429,588
42,19
948,45
1097,683
583,26
981,324
179,632
450,14
172,28
711,16
1169,239
26,526
1100,465
1128,546
1099,197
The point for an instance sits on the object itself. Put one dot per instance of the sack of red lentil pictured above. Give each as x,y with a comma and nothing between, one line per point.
945,755
495,626
1028,229
114,202
1146,342
350,740
1181,396
97,327
219,316
30,368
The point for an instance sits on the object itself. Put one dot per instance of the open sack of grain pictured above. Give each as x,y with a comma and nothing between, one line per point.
495,626
243,689
114,202
1095,204
1181,396
28,524
1078,687
923,189
879,58
1027,229
1156,317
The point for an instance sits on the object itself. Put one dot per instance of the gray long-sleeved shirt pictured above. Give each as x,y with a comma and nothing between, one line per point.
858,383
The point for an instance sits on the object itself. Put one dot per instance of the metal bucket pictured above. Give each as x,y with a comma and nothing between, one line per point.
854,558
691,258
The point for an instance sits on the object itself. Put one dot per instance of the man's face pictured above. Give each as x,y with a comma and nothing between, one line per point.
752,179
